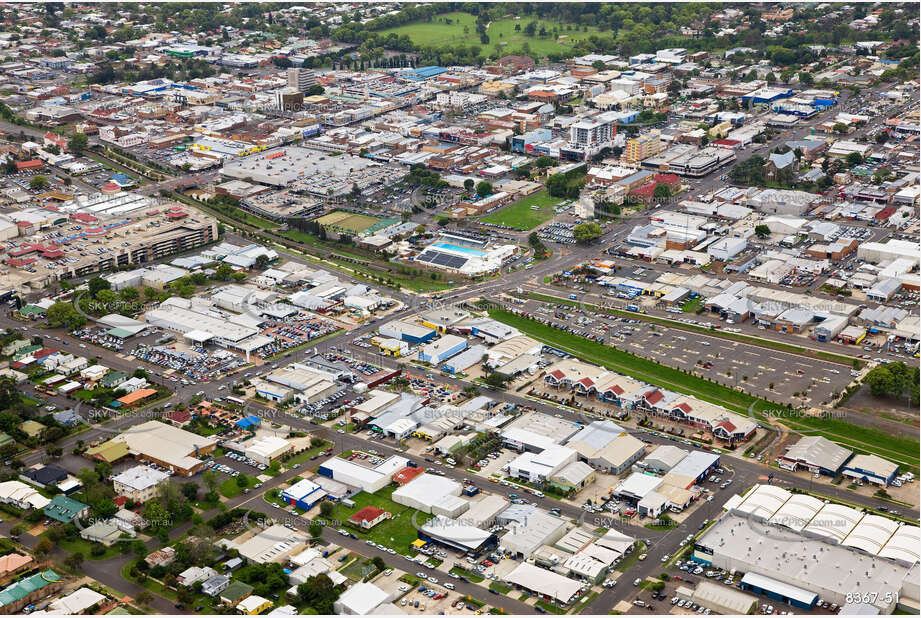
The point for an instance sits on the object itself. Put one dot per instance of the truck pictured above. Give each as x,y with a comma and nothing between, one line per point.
632,308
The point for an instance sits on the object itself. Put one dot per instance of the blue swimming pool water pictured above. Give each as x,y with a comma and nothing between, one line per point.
467,250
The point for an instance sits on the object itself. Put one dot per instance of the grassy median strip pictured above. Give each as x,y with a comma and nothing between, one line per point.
633,366
764,343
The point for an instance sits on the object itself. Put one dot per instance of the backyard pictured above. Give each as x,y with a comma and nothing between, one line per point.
521,214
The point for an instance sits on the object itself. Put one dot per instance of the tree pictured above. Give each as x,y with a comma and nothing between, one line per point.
468,185
840,128
319,593
262,261
484,188
326,508
77,143
44,547
586,232
853,159
223,272
64,315
144,596
762,231
496,379
38,182
96,284
315,529
662,191
74,561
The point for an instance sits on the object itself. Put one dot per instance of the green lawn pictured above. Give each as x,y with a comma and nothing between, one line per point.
500,588
519,215
692,305
302,458
468,574
440,33
550,607
83,546
399,527
230,489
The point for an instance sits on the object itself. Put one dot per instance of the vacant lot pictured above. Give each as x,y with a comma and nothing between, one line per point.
522,215
396,533
449,29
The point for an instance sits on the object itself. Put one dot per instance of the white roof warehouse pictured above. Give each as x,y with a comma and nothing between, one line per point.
545,582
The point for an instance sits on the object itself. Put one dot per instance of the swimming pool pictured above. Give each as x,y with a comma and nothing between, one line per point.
459,249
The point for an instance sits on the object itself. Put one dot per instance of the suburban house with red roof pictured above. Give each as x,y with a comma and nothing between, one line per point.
369,517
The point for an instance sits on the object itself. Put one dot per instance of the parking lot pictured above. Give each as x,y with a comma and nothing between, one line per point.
766,373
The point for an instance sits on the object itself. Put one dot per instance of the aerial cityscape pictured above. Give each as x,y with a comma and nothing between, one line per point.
437,308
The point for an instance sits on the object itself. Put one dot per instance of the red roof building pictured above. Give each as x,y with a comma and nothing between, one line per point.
369,517
83,217
33,164
406,475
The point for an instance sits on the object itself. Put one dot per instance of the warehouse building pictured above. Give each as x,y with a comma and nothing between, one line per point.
410,332
483,513
268,545
816,454
442,349
468,358
361,599
871,469
545,583
267,449
457,534
607,447
168,446
201,325
304,494
719,598
433,494
539,467
304,384
528,529
366,478
803,568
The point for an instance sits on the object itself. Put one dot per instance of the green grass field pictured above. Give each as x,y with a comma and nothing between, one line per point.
440,33
400,527
230,489
520,215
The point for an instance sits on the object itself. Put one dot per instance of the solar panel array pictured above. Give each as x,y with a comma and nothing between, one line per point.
439,258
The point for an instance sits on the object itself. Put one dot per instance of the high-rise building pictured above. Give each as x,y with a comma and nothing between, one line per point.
289,99
643,147
301,78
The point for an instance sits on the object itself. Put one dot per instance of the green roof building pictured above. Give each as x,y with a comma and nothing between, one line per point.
236,592
113,379
29,589
65,509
